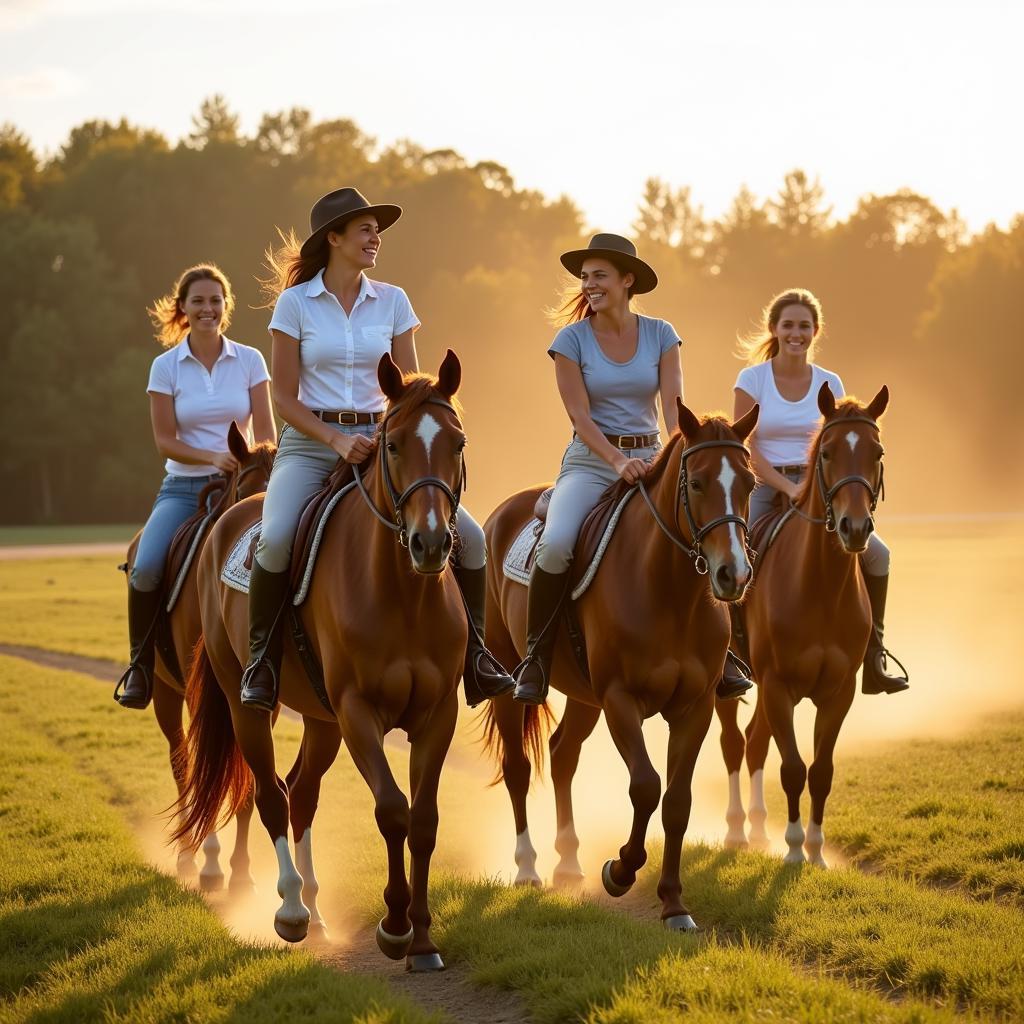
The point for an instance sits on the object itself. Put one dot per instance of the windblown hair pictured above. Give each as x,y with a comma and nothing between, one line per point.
168,312
575,306
763,345
288,267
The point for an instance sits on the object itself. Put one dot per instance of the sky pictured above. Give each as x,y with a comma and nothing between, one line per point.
586,99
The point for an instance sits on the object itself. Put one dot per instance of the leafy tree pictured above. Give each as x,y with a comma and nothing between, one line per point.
214,124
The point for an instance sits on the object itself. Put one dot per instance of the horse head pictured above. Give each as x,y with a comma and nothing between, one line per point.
254,464
848,465
715,482
421,458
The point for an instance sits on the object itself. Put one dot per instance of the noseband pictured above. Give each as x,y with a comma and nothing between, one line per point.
828,493
398,500
698,533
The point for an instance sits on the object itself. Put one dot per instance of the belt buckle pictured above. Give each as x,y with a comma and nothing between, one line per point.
349,419
631,439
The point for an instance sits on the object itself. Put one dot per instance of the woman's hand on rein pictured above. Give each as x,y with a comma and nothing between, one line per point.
224,461
632,470
355,448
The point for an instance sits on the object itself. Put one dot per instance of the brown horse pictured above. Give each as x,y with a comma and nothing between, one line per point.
655,644
808,620
388,627
185,628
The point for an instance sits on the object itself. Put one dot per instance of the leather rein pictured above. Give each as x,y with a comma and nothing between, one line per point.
397,522
694,548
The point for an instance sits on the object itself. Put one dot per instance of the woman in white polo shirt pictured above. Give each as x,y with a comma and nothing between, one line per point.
331,325
785,382
197,388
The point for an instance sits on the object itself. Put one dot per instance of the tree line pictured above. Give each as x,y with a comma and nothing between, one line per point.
92,234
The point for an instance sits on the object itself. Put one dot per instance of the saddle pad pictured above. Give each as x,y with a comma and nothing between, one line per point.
519,557
238,567
179,580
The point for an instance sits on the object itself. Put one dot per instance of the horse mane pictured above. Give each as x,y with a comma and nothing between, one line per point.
845,407
721,430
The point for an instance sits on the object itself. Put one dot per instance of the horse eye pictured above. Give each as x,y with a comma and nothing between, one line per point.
696,485
392,448
825,456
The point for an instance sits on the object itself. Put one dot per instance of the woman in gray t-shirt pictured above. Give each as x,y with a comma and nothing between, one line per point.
611,367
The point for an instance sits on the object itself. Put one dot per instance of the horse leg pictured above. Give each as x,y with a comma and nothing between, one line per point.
625,724
733,745
429,748
779,709
686,734
827,723
758,736
167,704
242,883
364,738
566,742
320,744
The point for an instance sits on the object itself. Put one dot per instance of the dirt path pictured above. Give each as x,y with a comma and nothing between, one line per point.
19,552
450,992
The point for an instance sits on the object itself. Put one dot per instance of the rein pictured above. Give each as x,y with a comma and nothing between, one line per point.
698,533
397,523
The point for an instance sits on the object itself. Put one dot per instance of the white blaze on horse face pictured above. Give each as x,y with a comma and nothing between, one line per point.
427,430
727,478
851,439
431,520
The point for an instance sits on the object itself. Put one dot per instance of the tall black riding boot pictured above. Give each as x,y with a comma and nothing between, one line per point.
483,676
735,679
268,592
135,687
874,677
544,604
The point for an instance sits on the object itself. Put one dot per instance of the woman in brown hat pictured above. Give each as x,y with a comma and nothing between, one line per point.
331,324
611,367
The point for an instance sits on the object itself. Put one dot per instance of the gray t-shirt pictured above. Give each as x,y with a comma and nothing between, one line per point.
623,396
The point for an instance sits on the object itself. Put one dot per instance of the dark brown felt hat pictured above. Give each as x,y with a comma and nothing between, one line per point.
330,212
620,251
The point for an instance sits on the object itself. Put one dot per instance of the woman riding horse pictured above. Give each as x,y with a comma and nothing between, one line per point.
611,365
202,384
331,325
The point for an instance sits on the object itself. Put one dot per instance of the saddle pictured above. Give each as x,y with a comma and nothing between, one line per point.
765,529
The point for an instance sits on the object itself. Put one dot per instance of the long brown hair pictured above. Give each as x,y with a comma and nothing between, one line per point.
288,267
168,312
575,306
763,345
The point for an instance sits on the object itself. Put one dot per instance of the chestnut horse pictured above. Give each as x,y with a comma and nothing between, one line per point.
169,691
388,626
808,621
655,644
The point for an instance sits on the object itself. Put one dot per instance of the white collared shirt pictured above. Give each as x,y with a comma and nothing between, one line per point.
205,403
339,353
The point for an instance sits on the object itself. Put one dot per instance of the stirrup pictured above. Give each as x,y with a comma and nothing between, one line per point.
118,689
259,701
530,698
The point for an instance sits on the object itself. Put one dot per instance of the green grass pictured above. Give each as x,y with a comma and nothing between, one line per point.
91,932
11,536
72,605
945,811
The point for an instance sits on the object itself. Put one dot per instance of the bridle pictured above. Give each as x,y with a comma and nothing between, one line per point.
397,522
698,533
877,492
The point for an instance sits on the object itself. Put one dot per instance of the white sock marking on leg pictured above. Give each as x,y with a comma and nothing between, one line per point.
526,860
310,886
734,815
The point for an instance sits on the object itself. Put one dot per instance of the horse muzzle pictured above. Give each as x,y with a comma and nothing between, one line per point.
854,531
729,582
429,549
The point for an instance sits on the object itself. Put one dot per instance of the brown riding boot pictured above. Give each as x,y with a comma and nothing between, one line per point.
544,605
735,679
268,592
135,687
874,678
483,677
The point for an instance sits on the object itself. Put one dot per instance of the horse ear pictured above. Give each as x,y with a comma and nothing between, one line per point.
826,401
746,423
237,444
878,404
688,423
389,376
449,377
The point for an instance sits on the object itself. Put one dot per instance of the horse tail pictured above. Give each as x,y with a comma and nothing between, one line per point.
215,773
537,723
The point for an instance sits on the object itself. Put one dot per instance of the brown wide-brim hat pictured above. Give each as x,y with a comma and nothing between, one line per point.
330,213
621,252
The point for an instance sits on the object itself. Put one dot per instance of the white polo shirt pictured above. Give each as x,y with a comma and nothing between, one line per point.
205,403
339,353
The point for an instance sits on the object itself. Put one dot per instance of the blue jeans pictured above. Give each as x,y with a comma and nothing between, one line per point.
176,500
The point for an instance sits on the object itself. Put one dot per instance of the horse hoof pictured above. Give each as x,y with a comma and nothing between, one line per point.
567,880
211,883
795,857
419,963
681,923
760,843
610,885
394,947
291,931
529,883
317,935
735,844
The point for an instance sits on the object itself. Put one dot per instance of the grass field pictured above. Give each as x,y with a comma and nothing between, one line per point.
89,534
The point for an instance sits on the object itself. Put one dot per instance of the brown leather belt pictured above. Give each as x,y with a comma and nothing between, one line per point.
351,419
789,470
629,441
